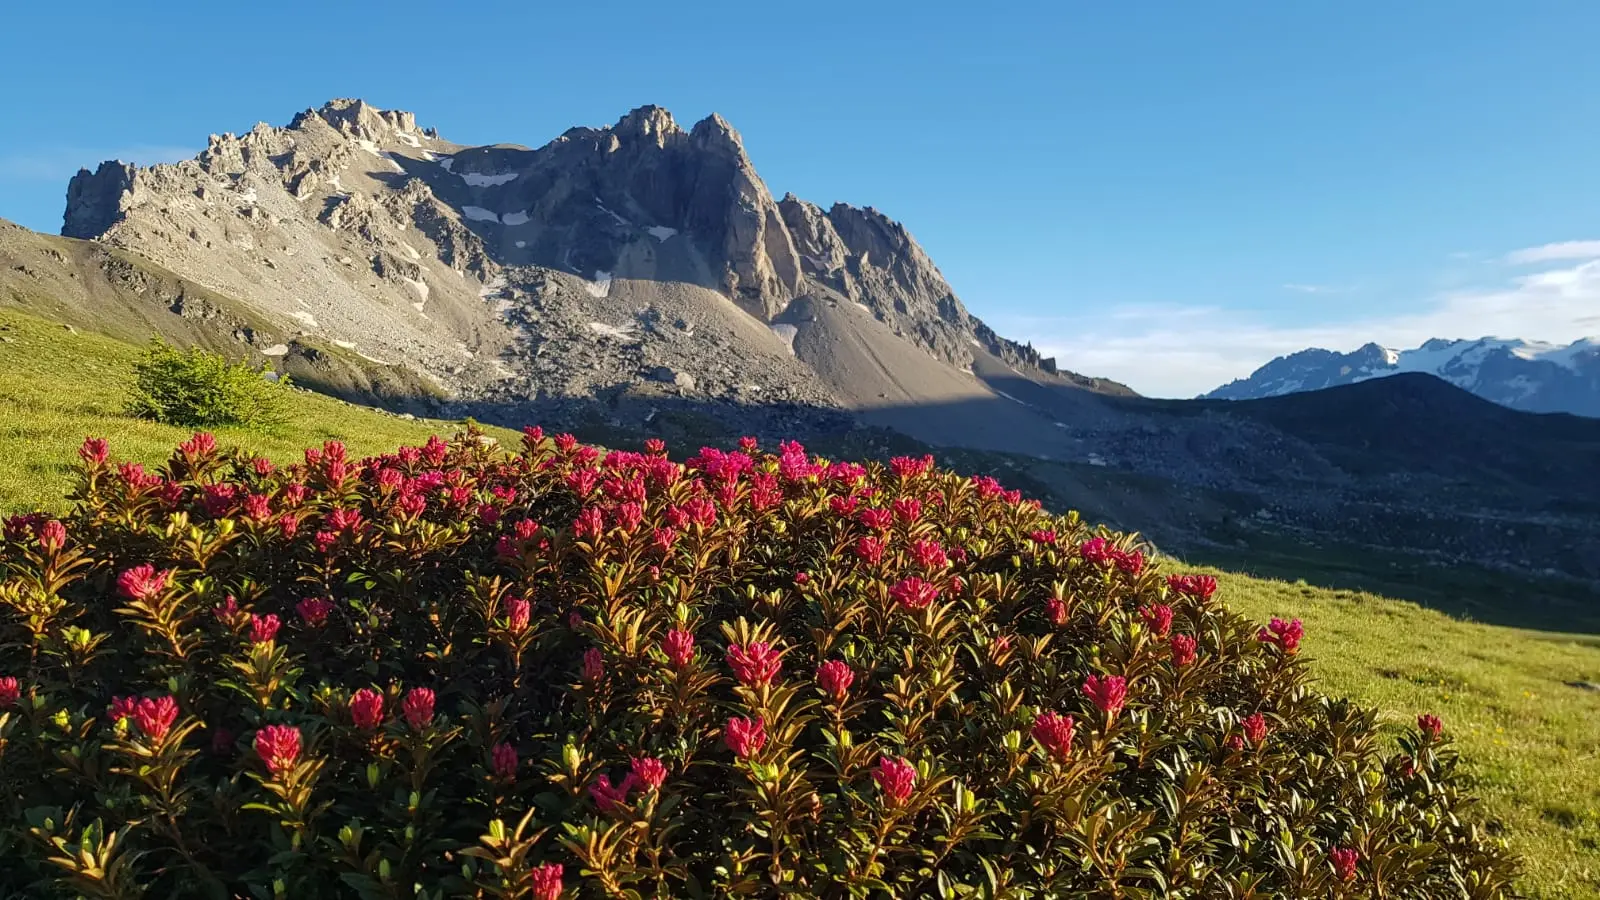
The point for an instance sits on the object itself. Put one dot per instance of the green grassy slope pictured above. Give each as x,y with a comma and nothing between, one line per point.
58,386
1531,740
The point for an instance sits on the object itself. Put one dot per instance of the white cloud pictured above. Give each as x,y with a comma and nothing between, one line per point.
1561,250
62,163
1311,288
1192,350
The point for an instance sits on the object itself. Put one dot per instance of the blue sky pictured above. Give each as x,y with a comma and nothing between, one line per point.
1169,195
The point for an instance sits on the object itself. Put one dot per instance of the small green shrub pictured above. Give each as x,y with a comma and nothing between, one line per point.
198,389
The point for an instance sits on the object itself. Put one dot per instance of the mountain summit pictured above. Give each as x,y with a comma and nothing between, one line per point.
642,254
1525,375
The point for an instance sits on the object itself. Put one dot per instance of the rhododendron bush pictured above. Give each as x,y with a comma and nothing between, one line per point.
462,671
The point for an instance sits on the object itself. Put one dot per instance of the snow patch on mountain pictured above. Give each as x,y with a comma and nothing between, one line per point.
1536,376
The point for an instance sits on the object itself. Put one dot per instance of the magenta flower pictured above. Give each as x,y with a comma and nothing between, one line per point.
895,778
202,444
95,452
607,796
279,747
744,736
1054,733
1057,611
1430,726
662,540
1106,692
1098,551
122,708
366,709
907,509
913,593
52,536
1255,728
545,880
503,758
257,507
314,611
226,610
1157,618
518,612
10,690
678,645
869,550
263,629
143,582
649,772
1285,635
1183,650
594,665
1200,587
835,677
1344,861
589,524
929,555
910,467
755,664
417,708
876,519
155,717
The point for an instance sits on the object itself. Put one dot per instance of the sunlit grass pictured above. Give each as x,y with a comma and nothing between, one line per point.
1530,739
57,387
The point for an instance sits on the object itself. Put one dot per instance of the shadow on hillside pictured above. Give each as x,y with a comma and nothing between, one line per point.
1443,531
1475,593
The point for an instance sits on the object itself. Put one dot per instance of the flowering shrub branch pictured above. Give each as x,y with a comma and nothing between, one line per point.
456,670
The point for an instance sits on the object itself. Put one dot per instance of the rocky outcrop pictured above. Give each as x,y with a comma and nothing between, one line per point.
96,200
872,260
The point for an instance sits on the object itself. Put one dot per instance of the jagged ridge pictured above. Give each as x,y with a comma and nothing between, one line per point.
426,245
1527,375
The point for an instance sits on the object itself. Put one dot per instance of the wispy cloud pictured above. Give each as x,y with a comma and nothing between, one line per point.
1562,250
61,163
1200,348
1313,288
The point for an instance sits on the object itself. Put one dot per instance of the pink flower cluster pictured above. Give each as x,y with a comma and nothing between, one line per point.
1285,636
1101,552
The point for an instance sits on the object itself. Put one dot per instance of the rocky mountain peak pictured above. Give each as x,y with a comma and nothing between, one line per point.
650,123
716,133
359,119
500,270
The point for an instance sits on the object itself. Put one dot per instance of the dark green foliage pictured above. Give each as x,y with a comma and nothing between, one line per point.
457,671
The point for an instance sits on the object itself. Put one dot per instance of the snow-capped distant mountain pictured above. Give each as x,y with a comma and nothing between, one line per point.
1526,375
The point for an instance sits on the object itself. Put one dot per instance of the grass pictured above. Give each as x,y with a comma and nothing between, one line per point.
59,386
1531,741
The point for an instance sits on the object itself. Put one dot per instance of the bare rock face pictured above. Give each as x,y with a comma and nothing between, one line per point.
96,200
872,260
761,267
501,273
